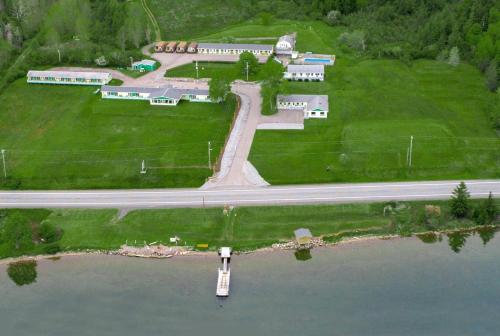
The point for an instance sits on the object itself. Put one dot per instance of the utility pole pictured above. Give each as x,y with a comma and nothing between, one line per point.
209,155
4,167
247,70
197,73
143,167
411,151
59,53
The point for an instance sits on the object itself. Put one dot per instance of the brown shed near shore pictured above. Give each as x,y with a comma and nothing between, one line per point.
170,48
181,47
192,48
160,46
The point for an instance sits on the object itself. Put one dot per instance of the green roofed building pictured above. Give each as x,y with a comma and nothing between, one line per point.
144,65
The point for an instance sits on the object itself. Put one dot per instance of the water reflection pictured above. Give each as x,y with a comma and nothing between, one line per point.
303,254
22,272
486,233
430,237
457,240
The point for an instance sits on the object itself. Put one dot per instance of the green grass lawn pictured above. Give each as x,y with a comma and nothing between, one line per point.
211,69
312,36
132,73
375,106
243,228
62,137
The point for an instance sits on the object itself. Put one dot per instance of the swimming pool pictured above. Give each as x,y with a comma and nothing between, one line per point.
318,60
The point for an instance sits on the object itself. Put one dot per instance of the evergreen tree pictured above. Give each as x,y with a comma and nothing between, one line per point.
490,209
486,212
460,201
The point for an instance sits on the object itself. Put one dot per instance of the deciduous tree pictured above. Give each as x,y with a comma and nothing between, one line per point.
247,62
219,88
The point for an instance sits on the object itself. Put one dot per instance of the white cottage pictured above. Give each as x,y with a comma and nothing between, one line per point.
306,73
313,106
235,49
285,45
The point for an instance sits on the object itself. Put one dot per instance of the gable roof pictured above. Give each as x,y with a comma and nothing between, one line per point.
316,68
165,91
287,38
145,62
314,102
302,233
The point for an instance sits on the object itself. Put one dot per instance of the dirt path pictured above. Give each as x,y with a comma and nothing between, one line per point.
152,18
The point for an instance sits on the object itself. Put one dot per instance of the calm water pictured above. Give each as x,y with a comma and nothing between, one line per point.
397,287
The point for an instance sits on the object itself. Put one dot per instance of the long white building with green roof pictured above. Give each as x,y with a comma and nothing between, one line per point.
69,77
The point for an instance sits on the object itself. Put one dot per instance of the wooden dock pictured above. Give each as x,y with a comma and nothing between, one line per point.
224,277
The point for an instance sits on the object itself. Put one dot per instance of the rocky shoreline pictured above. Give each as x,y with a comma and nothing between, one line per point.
163,252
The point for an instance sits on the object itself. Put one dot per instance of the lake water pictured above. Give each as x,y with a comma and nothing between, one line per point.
395,287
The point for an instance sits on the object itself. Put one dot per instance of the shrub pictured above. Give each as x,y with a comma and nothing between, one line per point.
49,233
333,17
52,248
354,40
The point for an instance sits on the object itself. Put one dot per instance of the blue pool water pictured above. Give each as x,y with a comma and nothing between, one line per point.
317,60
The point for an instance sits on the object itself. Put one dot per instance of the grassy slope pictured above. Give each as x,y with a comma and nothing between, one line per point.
244,228
187,19
67,137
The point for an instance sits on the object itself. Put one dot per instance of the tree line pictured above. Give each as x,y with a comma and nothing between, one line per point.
78,32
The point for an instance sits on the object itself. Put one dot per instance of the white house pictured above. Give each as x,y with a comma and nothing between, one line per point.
235,49
305,73
314,106
69,77
285,45
167,95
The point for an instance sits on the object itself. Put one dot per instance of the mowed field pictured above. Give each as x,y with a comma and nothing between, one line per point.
242,228
375,107
210,70
63,137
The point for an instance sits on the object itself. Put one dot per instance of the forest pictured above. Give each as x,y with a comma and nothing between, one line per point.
81,32
77,32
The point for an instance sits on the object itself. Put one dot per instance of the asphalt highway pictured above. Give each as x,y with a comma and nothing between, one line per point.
243,196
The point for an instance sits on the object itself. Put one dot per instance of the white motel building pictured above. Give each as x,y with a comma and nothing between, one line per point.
313,106
69,77
306,73
235,49
167,95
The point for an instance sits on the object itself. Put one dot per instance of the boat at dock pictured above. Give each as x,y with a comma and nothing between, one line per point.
224,276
